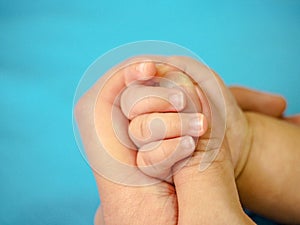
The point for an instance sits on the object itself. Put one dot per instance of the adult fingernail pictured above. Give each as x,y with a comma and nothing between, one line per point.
141,67
177,100
196,125
188,143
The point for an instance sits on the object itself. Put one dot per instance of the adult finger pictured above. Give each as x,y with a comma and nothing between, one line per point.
293,119
252,100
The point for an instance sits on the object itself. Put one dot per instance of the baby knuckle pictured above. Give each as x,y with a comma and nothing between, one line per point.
144,127
139,127
144,159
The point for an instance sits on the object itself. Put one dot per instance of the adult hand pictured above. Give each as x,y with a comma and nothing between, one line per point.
212,190
264,103
100,118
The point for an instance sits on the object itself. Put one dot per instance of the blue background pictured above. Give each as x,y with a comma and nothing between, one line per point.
45,47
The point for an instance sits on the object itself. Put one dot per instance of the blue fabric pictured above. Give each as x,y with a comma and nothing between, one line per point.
46,45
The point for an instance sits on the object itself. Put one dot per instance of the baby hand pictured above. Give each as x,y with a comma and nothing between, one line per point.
165,138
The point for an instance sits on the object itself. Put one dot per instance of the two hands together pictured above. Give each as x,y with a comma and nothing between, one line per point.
146,126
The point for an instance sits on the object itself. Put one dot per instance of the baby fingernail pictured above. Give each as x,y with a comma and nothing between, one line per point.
177,100
188,143
196,125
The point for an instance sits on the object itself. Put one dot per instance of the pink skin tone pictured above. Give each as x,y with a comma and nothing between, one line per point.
219,185
158,199
212,191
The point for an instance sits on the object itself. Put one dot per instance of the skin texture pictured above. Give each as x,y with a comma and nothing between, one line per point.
270,187
269,184
217,183
267,104
214,190
93,114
